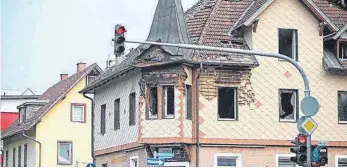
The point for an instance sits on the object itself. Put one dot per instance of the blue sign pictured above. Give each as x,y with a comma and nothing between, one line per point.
315,154
155,161
165,155
91,165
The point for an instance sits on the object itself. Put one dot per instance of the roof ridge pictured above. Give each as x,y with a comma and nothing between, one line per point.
241,17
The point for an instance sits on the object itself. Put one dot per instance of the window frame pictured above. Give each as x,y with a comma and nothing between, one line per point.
186,103
72,112
148,103
71,152
164,102
337,157
87,80
25,157
14,157
296,112
236,101
340,53
19,156
133,158
132,123
338,103
116,125
296,55
6,158
238,159
103,120
284,155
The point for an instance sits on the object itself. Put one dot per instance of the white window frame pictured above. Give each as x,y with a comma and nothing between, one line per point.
283,155
88,82
235,155
337,157
70,156
83,112
236,89
342,52
164,90
131,164
296,92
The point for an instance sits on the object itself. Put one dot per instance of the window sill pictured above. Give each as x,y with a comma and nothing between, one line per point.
226,119
79,121
288,121
59,163
342,122
169,117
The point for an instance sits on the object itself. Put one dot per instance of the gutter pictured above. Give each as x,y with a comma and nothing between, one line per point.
40,149
92,135
197,116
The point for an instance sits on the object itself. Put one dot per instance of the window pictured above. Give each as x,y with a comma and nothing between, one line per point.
227,160
342,106
90,79
152,104
132,108
227,103
25,155
283,160
6,157
168,101
19,156
103,119
64,153
288,43
104,165
134,161
14,157
343,51
22,114
188,102
117,114
341,160
288,105
78,112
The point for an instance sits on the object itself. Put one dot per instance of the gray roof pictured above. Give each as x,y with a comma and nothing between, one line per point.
18,97
332,64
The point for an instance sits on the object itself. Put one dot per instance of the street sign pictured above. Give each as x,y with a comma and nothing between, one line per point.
309,106
165,155
155,161
322,143
91,165
306,125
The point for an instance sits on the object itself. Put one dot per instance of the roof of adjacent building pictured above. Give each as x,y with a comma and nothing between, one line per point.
337,15
53,94
18,97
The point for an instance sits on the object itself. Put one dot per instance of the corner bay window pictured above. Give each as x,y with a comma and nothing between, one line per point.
152,103
168,101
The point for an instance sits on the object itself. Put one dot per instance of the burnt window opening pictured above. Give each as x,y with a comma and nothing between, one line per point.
227,103
168,101
152,105
188,102
103,119
288,43
343,51
342,106
132,109
288,110
117,114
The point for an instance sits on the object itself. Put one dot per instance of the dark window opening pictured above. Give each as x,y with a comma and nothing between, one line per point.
169,101
288,43
153,103
189,102
342,106
25,155
288,105
6,161
132,108
117,114
19,156
104,165
14,158
343,51
103,119
227,103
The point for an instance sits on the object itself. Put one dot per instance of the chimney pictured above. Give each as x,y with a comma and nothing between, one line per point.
81,66
63,76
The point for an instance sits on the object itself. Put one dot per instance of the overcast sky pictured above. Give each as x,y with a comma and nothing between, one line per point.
42,38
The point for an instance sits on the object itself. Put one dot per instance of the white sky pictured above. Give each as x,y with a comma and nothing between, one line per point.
42,38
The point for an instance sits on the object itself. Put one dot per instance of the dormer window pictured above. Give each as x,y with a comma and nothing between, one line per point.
90,79
22,115
343,51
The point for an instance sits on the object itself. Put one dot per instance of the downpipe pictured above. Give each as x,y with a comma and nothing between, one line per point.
40,149
92,119
197,116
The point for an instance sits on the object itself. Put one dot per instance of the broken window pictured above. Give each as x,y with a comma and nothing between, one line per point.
342,106
168,101
288,43
152,104
288,110
227,103
343,51
189,102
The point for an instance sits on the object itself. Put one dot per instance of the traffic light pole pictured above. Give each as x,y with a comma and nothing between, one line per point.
248,52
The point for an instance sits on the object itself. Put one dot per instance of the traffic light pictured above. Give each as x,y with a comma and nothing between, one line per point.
300,150
119,40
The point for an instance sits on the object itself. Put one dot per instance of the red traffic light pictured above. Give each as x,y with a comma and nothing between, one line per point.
120,30
302,139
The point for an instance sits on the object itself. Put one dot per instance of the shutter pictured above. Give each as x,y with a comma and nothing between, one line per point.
226,161
189,102
78,113
132,109
103,119
117,114
342,162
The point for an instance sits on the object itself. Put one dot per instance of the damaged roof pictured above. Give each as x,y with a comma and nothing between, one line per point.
333,65
53,95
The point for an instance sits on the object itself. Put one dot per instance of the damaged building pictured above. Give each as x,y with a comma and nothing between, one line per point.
220,109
